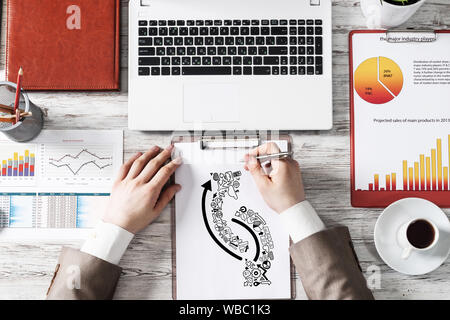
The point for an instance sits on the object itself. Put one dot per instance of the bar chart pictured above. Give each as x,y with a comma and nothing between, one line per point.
426,173
17,163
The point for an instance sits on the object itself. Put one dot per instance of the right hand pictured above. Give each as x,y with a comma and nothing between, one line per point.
283,187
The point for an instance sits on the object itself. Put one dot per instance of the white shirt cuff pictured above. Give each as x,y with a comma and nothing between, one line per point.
107,242
301,221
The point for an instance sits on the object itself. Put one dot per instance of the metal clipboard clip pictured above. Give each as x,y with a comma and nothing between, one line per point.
243,141
411,36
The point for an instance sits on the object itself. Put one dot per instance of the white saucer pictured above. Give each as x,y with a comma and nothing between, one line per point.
393,217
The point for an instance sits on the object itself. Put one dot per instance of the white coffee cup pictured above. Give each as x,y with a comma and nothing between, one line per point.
405,242
381,14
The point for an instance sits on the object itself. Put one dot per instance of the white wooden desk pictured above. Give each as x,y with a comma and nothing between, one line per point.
26,268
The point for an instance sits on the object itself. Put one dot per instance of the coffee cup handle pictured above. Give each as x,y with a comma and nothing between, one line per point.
406,253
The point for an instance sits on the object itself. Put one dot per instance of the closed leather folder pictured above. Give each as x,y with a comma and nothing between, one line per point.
64,45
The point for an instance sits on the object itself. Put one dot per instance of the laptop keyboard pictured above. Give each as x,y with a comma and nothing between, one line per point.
230,47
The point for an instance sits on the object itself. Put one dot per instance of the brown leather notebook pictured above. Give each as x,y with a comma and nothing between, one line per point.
63,45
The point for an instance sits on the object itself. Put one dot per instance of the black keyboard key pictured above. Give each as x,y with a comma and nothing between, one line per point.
265,22
144,71
309,22
270,41
188,41
219,41
293,41
153,23
160,51
180,23
261,71
184,31
221,51
181,51
171,51
162,22
163,31
255,22
301,41
171,22
186,61
301,50
198,41
217,22
260,41
245,22
201,51
165,61
293,31
227,22
284,60
319,48
262,51
245,31
193,31
309,31
227,61
310,60
168,41
271,60
278,51
265,31
292,22
217,60
190,23
242,51
257,61
284,71
318,31
209,23
301,70
274,22
252,51
229,41
234,31
152,31
146,51
293,70
199,71
301,31
176,61
206,61
279,31
145,41
237,61
318,22
275,71
143,23
281,41
301,22
204,31
319,61
293,50
237,71
149,61
319,70
250,41
199,22
142,31
293,60
191,51
178,41
310,71
158,41
224,31
301,60
236,22
165,71
196,61
248,61
156,71
309,50
310,41
212,51
232,51
247,71
240,41
173,31
209,41
283,22
254,31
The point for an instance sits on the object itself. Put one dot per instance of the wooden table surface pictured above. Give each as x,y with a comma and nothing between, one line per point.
27,267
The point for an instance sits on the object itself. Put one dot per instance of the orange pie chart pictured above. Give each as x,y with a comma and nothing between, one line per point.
378,80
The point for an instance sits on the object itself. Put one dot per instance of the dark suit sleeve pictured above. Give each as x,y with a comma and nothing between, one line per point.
80,276
328,266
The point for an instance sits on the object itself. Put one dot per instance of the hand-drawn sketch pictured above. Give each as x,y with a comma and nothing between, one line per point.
255,267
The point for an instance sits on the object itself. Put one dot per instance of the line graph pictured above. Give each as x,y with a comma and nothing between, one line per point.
91,161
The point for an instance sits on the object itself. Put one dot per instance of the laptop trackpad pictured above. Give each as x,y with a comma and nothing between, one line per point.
215,102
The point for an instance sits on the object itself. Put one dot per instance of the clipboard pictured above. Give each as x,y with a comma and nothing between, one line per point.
220,140
381,198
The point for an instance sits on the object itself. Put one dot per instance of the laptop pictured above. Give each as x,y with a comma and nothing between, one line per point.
230,65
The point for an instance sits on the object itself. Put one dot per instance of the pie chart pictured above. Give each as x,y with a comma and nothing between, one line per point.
378,80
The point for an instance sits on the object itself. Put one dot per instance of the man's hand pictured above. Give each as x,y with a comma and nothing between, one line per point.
283,187
137,197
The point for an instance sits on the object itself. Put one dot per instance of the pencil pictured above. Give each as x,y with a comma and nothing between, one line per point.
19,85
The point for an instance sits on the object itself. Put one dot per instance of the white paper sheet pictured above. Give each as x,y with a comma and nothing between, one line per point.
207,265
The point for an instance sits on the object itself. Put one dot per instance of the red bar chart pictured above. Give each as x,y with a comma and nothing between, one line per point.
17,163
